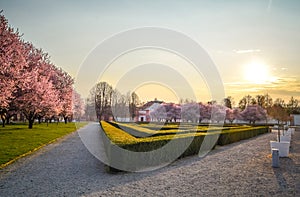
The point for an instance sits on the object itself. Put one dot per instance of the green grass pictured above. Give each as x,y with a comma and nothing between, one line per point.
16,140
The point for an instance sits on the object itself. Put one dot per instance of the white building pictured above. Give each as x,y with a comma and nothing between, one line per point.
296,119
144,112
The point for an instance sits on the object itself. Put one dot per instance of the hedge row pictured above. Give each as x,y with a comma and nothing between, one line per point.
235,135
132,130
147,131
146,152
130,153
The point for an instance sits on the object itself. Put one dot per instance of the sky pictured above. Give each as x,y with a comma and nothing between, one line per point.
254,44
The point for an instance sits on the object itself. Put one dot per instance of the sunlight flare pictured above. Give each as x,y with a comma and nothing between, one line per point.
257,72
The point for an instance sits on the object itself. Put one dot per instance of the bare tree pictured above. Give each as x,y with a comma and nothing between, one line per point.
279,101
228,102
90,113
103,100
264,101
244,102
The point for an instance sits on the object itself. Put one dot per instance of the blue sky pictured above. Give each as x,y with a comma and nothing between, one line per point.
235,33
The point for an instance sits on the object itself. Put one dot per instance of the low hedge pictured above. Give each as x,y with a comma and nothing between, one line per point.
235,135
133,130
117,141
116,135
141,131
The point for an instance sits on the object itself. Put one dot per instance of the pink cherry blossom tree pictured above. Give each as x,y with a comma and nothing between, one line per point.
63,84
232,114
36,93
205,112
159,113
30,84
78,106
218,113
253,113
11,61
190,112
167,112
66,103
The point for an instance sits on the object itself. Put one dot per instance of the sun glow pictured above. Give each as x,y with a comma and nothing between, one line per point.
257,72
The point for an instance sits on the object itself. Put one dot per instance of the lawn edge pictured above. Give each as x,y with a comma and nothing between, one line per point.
2,166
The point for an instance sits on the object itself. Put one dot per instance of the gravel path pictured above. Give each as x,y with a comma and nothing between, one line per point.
66,168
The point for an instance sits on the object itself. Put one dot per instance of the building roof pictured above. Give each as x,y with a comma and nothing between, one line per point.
149,104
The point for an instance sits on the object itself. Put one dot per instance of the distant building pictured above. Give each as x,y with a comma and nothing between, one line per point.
295,119
143,112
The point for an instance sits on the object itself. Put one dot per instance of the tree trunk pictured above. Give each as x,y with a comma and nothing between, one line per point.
3,121
31,120
278,131
200,120
40,119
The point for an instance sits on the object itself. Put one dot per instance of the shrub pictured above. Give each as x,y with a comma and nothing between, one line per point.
115,139
134,130
235,135
141,131
116,135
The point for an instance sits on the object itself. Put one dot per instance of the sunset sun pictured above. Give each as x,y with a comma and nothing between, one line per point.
256,72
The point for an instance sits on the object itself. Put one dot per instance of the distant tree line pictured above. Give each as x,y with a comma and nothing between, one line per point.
250,109
105,102
211,111
265,101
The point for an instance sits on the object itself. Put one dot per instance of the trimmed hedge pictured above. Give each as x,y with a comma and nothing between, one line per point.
133,130
115,140
141,131
142,152
116,135
235,135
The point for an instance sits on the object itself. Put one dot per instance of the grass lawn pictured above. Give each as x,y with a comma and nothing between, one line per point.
16,140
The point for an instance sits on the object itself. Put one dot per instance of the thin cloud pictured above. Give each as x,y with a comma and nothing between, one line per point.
289,86
247,51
